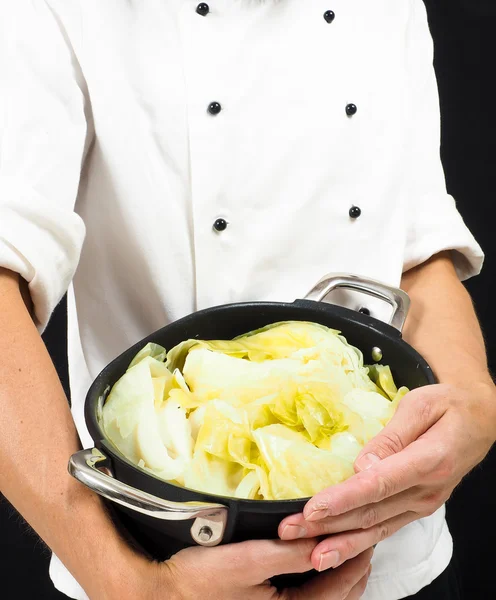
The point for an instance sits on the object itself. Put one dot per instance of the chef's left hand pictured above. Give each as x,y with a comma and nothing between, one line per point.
438,434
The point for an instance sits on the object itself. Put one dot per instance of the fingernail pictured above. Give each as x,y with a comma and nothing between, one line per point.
329,560
367,461
316,515
293,532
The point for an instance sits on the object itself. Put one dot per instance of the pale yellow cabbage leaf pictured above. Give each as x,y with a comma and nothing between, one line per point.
278,413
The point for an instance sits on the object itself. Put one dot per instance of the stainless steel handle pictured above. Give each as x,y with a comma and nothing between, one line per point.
210,519
397,298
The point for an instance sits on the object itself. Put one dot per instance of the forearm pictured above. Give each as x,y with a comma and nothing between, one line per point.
442,324
37,437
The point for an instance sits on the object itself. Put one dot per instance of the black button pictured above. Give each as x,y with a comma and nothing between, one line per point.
329,16
214,108
351,110
203,9
220,225
355,212
364,311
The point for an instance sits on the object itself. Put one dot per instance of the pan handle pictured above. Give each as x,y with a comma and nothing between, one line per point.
397,298
209,519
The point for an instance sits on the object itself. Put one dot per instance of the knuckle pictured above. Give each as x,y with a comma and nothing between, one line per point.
391,442
384,486
424,408
375,486
431,501
321,501
447,468
369,517
444,464
383,531
326,527
348,548
439,452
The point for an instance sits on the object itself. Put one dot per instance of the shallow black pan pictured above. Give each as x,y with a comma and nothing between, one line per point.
164,518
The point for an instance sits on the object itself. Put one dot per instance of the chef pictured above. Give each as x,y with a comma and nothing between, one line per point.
161,157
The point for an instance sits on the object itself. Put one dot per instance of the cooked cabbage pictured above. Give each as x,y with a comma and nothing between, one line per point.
277,413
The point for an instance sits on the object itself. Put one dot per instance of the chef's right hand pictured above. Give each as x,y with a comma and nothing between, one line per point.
241,572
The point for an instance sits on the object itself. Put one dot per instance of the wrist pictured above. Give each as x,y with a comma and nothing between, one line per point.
105,565
483,392
128,576
486,393
101,561
477,400
141,578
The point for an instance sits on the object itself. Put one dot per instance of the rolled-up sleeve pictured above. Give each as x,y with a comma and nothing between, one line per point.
43,138
433,222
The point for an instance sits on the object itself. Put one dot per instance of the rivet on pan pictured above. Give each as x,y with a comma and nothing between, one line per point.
376,354
205,534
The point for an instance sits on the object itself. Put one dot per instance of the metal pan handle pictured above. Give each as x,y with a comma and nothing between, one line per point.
395,297
209,519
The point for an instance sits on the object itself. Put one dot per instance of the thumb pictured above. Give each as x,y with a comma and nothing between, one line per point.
245,564
417,412
264,559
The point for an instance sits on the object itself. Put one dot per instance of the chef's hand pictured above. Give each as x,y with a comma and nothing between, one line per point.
438,434
241,572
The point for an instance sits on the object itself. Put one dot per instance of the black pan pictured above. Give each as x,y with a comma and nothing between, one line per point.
164,518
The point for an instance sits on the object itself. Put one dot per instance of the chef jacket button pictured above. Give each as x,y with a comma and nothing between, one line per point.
220,225
214,108
364,310
203,9
351,109
329,16
355,212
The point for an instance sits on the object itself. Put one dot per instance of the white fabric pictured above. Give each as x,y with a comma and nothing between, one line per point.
120,90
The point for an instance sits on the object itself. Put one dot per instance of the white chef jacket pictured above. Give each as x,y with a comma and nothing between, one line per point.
110,134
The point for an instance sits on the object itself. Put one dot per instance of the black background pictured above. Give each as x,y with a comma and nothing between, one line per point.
463,32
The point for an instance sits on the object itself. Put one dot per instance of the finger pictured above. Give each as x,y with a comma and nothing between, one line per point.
336,550
334,585
357,592
295,526
391,476
255,561
416,413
